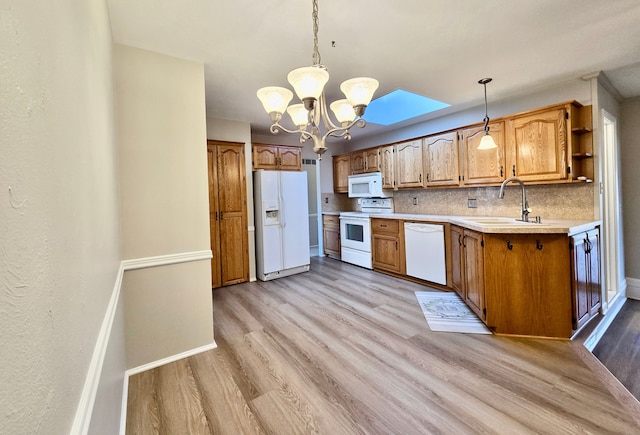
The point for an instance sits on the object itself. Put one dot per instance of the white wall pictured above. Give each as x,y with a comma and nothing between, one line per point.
161,132
59,223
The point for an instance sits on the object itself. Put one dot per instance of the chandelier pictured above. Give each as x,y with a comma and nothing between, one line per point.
310,115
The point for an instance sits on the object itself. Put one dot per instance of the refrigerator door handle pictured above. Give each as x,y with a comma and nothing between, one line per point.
283,220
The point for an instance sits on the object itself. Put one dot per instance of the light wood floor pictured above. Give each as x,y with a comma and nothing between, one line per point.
344,350
619,347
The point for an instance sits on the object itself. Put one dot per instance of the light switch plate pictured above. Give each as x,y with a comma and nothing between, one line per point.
472,203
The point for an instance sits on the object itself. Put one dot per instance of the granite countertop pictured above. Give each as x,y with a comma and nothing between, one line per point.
331,213
501,225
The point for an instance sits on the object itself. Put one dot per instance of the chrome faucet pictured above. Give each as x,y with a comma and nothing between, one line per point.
524,217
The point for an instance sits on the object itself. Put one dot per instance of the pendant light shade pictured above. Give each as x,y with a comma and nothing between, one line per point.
487,142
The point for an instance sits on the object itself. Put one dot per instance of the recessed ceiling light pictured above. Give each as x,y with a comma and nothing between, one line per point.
399,106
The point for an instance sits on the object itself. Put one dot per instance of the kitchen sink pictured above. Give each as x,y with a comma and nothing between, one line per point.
500,221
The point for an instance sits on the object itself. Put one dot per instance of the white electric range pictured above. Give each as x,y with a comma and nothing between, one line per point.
355,230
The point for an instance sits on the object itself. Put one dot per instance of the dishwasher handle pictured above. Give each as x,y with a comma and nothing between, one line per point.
423,228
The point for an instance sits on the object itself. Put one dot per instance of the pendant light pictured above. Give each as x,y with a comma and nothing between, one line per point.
487,142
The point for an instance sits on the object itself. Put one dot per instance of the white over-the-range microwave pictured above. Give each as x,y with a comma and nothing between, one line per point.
367,185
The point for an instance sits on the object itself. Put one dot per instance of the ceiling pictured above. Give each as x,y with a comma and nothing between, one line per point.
437,48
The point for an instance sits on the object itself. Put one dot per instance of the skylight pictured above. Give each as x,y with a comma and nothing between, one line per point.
399,106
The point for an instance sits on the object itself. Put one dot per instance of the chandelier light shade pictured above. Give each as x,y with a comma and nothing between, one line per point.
311,117
275,100
359,91
343,110
487,142
299,115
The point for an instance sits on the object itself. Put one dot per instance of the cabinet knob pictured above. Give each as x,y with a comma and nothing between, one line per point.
509,245
513,169
539,245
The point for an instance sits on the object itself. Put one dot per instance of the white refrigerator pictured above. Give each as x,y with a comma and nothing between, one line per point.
282,223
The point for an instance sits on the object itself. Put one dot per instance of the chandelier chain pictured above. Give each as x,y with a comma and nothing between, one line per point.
316,52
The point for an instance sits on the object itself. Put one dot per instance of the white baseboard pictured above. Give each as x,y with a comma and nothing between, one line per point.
149,366
633,288
170,359
591,342
82,419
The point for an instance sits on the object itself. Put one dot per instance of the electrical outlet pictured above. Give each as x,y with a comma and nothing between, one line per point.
472,203
415,201
326,200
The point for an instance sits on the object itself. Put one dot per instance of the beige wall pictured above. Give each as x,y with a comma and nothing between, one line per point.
630,156
59,223
164,202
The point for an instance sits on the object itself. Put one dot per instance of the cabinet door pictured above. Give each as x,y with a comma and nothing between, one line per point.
341,172
408,171
580,281
441,160
527,284
214,214
233,214
482,166
593,259
331,235
357,162
265,157
386,166
538,146
372,160
387,245
457,261
289,158
474,272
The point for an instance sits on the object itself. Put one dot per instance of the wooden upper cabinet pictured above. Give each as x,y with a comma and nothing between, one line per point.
277,157
372,160
538,146
387,166
357,162
482,166
441,160
365,161
341,172
290,158
409,172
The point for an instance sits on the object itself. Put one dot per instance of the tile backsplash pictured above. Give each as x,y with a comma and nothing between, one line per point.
550,201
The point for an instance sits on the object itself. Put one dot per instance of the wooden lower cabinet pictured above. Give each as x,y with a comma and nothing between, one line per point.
543,285
387,245
585,277
528,282
331,235
228,213
468,268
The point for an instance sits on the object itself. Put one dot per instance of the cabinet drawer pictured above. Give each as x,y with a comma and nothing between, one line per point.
329,219
385,226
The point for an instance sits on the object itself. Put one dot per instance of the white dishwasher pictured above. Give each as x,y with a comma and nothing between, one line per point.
424,245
